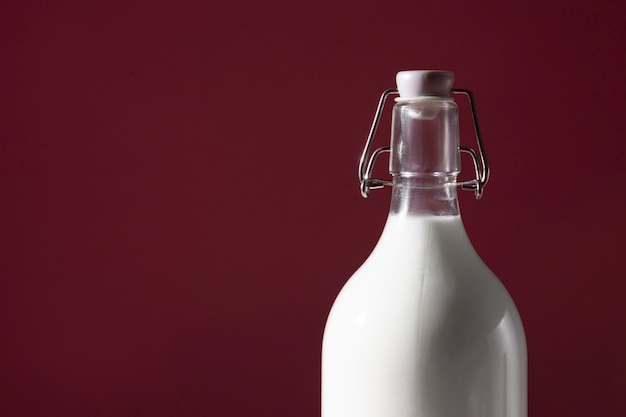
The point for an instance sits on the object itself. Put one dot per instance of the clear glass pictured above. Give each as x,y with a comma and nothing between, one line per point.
425,138
424,158
436,196
423,328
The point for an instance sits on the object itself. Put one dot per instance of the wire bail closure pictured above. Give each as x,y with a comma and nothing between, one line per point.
366,163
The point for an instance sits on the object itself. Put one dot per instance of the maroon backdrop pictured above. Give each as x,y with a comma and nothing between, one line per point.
179,203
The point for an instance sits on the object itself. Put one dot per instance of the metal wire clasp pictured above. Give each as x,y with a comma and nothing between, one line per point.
366,163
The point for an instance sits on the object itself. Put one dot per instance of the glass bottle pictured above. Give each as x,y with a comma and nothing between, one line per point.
423,328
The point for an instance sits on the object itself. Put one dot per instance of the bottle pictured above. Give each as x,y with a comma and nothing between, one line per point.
423,328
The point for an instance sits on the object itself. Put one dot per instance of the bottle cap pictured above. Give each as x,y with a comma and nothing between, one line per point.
415,84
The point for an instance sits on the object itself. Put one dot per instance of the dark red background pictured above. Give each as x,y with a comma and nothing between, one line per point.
179,203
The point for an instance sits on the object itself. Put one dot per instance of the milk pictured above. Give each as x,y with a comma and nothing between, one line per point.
423,329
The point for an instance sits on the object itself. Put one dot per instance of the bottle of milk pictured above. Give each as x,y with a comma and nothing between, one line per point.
423,328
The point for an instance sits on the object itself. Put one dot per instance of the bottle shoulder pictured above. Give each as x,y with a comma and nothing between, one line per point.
426,265
421,246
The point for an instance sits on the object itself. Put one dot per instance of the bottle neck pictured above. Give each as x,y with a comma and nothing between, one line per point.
424,196
425,158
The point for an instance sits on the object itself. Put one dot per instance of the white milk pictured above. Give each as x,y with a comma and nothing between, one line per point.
423,329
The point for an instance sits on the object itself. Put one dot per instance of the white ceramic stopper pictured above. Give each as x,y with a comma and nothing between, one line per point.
414,84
